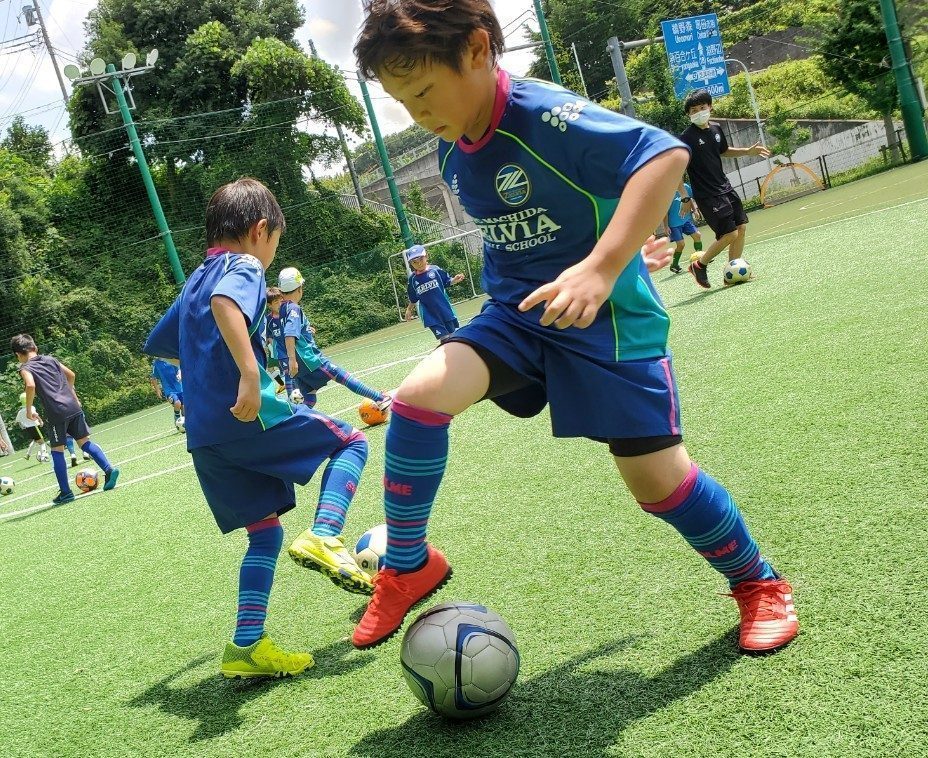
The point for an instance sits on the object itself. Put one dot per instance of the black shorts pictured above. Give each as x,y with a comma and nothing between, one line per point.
58,431
33,433
723,213
522,397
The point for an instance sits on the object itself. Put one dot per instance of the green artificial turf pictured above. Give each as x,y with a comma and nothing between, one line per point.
804,391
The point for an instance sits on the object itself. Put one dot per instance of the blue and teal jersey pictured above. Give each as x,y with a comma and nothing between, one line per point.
296,325
674,216
542,184
166,374
275,332
188,332
429,291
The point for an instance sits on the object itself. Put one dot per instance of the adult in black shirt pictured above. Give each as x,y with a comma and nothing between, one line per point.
717,201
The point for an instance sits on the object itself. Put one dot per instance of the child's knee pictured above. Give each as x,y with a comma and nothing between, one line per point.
697,237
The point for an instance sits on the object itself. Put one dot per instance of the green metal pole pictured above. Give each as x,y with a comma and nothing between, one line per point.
160,220
387,168
546,38
908,95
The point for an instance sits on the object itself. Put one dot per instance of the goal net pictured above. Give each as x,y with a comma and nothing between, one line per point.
787,182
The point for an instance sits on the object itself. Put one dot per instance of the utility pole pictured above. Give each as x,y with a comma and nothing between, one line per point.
614,48
573,46
908,94
385,162
546,38
48,44
344,143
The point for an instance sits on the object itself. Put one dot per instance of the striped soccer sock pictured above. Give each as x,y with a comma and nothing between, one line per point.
417,453
60,465
338,374
705,514
255,579
99,457
339,483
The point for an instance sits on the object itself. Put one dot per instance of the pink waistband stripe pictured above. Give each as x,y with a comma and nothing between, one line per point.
676,497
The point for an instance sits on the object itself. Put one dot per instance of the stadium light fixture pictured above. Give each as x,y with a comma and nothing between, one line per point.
97,66
72,72
128,61
152,58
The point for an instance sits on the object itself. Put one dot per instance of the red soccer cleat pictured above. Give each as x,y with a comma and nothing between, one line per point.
768,618
395,595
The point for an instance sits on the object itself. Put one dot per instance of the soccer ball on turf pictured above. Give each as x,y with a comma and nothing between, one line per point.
42,457
371,549
371,414
460,659
87,480
181,423
6,485
296,397
736,271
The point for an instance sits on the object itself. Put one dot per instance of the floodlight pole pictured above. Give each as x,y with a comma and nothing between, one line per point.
573,46
546,38
160,220
908,95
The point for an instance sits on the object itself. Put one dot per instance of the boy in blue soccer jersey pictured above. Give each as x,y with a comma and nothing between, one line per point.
308,367
53,382
678,223
165,381
428,289
248,446
276,342
565,193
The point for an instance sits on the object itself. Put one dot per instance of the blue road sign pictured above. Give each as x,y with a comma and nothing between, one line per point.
694,50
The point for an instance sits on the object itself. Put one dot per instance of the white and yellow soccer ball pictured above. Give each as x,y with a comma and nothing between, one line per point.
7,485
460,659
371,549
736,271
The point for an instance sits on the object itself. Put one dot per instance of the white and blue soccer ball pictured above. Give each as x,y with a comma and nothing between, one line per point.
460,659
296,397
42,457
181,423
736,271
7,485
371,549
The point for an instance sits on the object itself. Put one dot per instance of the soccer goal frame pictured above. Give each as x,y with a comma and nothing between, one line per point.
472,243
801,176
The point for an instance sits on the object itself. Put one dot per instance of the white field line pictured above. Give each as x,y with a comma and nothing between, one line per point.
837,221
45,506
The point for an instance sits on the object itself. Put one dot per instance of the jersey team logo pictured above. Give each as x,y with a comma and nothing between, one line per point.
513,185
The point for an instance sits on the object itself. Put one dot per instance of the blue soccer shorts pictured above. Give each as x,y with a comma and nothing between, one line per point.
677,232
175,397
588,396
248,479
444,330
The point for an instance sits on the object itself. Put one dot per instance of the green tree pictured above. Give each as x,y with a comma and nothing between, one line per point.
788,134
28,142
857,32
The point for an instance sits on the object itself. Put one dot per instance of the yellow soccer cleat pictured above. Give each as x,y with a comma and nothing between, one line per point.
329,556
262,658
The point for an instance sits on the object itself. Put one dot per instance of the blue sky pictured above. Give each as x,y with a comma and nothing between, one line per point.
28,84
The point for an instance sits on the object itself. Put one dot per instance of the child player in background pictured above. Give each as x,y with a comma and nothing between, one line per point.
30,421
308,367
428,289
165,381
679,223
275,337
248,446
565,193
53,382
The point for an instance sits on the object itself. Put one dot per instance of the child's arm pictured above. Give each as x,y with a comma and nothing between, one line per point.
156,386
29,382
457,279
68,374
234,331
410,308
755,149
575,297
291,355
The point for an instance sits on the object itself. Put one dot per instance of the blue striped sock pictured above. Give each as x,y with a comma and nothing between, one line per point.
338,374
99,457
60,465
705,514
417,453
255,579
339,483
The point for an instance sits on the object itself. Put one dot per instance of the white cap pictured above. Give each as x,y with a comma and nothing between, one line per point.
289,279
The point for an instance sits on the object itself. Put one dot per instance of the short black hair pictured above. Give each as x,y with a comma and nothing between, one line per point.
22,344
237,206
273,293
698,97
398,35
